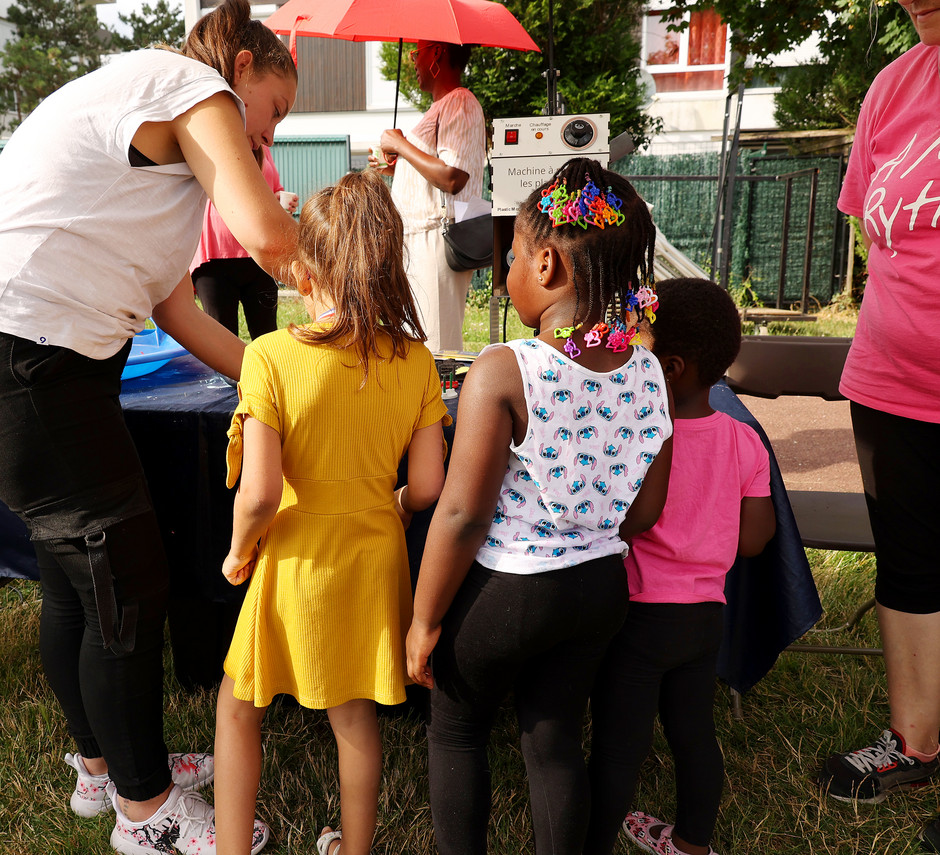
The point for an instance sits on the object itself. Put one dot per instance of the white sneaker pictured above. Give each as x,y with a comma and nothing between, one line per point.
184,823
190,771
90,797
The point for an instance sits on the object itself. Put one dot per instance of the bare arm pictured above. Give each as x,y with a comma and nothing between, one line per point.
202,336
648,505
465,510
650,501
450,179
257,500
758,525
212,139
425,472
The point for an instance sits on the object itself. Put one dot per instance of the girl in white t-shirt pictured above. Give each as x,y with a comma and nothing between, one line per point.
562,451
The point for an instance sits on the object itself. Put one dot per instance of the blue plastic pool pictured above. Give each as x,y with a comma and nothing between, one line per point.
150,350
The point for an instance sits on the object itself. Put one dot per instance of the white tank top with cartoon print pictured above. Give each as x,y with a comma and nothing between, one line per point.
591,437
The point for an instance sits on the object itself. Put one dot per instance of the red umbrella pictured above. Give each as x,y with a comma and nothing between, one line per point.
460,22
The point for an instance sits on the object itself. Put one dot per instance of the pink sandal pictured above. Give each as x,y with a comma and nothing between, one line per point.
637,827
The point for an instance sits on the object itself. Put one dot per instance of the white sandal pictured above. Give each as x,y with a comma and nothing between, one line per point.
324,841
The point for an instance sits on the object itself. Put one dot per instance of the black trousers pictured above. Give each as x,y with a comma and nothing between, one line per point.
540,637
69,469
662,660
223,283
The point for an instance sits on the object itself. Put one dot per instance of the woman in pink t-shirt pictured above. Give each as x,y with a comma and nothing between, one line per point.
892,378
224,274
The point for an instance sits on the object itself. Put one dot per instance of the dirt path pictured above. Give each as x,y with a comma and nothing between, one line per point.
812,440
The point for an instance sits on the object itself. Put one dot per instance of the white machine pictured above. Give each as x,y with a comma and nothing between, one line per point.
527,152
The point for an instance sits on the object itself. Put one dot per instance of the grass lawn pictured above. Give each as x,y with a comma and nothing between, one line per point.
476,326
807,706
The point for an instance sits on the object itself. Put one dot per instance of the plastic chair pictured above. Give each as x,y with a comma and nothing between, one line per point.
772,366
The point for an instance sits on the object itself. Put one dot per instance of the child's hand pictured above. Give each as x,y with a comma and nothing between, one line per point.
236,568
418,646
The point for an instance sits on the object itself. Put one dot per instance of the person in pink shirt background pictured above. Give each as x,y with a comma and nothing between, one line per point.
224,274
664,658
892,378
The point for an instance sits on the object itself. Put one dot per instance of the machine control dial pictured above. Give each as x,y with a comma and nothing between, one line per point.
578,133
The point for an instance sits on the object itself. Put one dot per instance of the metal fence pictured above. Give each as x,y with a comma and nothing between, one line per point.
307,164
783,236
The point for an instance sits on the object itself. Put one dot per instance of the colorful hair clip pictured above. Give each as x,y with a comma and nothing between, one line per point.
595,335
567,333
618,339
646,298
585,207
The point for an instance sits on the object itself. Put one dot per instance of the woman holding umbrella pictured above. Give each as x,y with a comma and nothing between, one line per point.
445,152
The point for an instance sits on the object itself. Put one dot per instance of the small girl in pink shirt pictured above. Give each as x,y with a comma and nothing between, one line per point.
664,658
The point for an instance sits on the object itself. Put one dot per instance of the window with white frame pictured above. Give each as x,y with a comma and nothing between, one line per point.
693,60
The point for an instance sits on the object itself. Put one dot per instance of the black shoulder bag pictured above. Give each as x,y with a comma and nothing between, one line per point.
468,245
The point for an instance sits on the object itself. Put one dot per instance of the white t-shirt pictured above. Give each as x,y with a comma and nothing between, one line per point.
88,243
590,440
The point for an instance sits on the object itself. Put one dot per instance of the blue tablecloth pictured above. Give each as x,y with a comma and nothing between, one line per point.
178,417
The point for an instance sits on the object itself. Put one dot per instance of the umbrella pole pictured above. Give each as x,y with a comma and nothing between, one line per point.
397,84
551,76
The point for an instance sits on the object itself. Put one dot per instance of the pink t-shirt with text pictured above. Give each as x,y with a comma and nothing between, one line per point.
716,462
893,186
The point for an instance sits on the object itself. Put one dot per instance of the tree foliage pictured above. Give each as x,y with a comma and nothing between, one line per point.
759,28
828,92
596,51
54,41
857,38
154,25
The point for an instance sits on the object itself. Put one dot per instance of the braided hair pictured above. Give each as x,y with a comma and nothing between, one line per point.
608,265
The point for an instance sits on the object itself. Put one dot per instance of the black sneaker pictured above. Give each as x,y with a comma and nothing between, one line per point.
930,837
869,774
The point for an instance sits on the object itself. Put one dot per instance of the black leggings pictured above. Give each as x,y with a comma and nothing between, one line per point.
663,660
542,638
222,283
900,465
69,469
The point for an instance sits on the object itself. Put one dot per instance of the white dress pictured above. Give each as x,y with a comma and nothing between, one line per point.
454,131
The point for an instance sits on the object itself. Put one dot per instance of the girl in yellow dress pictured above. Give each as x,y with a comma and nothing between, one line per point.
326,412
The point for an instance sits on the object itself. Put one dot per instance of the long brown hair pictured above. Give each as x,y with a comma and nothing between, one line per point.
351,248
217,38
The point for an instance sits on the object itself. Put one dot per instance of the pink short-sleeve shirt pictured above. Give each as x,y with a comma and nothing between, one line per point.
893,186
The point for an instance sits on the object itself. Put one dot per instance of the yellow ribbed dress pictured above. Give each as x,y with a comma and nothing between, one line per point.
329,601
